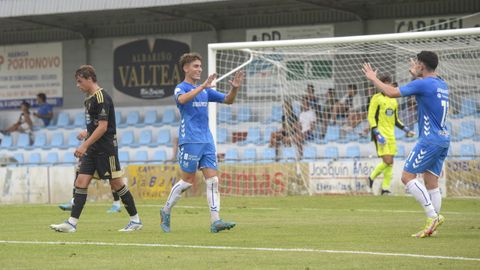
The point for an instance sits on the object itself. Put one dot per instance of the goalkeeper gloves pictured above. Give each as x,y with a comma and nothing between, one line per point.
378,135
409,132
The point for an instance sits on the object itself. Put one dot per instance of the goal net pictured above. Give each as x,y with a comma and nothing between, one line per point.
299,123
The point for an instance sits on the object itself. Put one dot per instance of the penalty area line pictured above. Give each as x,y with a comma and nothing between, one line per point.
302,250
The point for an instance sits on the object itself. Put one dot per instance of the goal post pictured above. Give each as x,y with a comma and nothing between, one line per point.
302,111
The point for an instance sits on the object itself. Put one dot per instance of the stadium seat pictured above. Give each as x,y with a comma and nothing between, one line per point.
7,142
23,140
141,157
123,157
159,157
276,115
469,106
353,151
63,120
399,134
332,134
18,157
268,134
222,135
34,158
289,154
72,140
400,151
225,115
249,155
253,136
231,156
467,152
127,138
39,141
52,157
79,120
145,137
133,118
150,118
244,114
309,153
69,158
467,130
57,140
164,138
268,156
118,118
331,152
169,117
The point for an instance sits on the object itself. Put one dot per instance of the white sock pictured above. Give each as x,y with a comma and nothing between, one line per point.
116,203
175,195
71,201
135,218
420,193
436,198
73,221
213,197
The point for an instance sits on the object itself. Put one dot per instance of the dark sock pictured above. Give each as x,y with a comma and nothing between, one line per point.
127,200
79,199
115,196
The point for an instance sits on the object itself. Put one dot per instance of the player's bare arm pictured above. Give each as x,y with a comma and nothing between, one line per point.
387,89
182,99
97,134
235,83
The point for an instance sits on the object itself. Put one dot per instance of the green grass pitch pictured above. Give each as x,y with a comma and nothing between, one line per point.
323,232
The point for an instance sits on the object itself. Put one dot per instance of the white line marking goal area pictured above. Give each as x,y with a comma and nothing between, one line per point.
303,250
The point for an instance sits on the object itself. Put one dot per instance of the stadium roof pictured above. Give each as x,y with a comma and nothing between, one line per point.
23,21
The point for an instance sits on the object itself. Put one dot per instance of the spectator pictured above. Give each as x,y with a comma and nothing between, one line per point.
290,128
307,120
327,108
312,100
24,123
44,112
343,106
359,110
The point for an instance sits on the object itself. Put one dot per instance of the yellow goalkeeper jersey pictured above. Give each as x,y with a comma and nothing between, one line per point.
383,115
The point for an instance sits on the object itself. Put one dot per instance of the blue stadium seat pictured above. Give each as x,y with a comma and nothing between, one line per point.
19,157
353,151
159,157
133,118
118,118
244,114
150,118
23,140
332,134
164,138
400,151
350,136
253,136
63,120
123,157
141,157
469,107
225,115
72,140
169,117
467,130
399,134
467,151
7,142
145,137
79,120
57,140
34,158
276,115
269,155
268,134
331,152
222,135
231,156
52,157
309,153
69,158
127,138
39,141
289,154
249,155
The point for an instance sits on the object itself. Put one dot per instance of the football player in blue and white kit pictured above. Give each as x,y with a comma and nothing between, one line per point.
196,149
428,155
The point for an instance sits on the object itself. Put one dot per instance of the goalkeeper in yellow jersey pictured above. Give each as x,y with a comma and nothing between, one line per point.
383,117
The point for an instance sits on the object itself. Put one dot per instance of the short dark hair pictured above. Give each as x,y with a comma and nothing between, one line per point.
86,72
429,59
188,58
385,78
26,104
352,86
42,96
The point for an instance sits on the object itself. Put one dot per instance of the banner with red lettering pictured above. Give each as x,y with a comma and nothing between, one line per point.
26,70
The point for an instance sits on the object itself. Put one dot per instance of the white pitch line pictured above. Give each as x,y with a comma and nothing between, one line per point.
304,250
